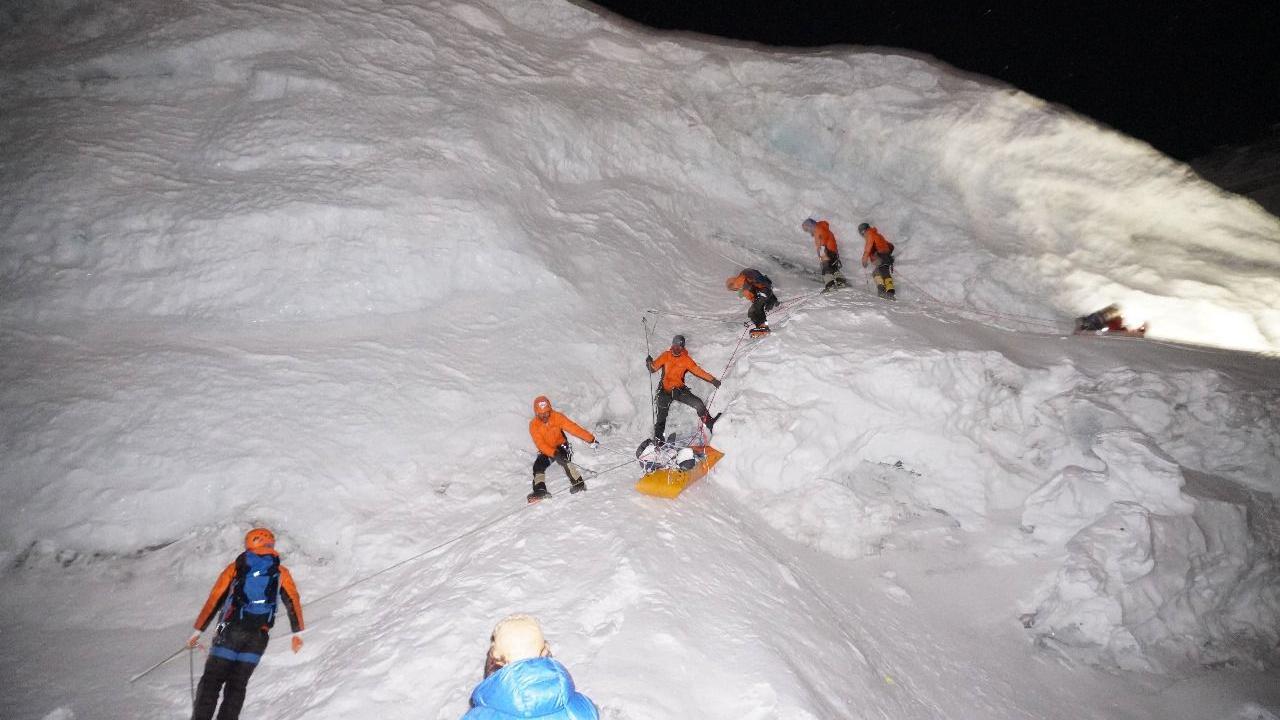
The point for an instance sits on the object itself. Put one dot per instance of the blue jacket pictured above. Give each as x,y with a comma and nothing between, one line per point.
533,688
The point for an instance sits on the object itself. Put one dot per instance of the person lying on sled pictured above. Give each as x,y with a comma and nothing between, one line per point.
678,453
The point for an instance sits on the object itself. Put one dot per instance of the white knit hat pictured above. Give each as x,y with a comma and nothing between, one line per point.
517,637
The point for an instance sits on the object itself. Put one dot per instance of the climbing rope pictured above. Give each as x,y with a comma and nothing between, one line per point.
615,450
595,473
702,428
152,669
406,561
690,316
1013,317
441,545
611,468
735,355
1054,325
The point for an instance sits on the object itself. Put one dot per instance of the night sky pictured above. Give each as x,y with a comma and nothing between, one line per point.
1184,76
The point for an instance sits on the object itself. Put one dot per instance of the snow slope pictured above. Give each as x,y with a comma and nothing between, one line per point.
1250,170
307,267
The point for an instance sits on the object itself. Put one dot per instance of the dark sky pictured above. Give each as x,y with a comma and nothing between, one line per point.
1185,76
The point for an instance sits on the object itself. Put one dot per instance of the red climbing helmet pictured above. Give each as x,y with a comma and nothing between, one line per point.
542,407
260,541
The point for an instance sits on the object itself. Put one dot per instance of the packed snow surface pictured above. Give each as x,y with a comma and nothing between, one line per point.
307,265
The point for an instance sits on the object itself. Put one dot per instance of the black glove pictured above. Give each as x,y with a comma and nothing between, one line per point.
564,451
648,359
715,383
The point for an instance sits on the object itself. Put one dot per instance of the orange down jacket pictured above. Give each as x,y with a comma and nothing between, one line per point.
746,283
288,594
549,434
824,241
673,369
876,245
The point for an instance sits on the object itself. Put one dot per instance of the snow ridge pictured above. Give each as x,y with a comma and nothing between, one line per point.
306,267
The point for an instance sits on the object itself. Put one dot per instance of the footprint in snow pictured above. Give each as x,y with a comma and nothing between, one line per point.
895,591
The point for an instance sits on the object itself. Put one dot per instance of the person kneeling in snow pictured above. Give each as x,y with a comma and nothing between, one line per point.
245,597
756,287
547,428
522,680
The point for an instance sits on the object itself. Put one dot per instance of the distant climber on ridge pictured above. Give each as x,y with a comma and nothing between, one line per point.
547,428
522,680
674,363
879,251
756,287
1107,320
824,241
244,601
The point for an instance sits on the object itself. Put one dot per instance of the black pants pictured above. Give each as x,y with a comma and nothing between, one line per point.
884,266
831,269
830,263
563,456
681,394
765,300
246,641
1094,322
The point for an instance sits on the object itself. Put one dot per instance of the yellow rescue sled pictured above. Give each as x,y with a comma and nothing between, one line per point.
668,483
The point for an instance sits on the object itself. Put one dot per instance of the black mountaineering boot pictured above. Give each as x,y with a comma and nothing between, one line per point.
539,492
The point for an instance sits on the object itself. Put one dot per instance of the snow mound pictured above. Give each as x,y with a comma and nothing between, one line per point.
924,440
297,169
1151,591
306,266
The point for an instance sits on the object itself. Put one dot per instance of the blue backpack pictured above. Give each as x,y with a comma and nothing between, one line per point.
759,280
255,588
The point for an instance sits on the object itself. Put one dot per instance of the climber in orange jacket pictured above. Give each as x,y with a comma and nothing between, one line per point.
824,241
879,251
548,428
674,363
756,287
244,601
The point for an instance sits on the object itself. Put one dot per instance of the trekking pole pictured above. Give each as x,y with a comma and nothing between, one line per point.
653,408
155,667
